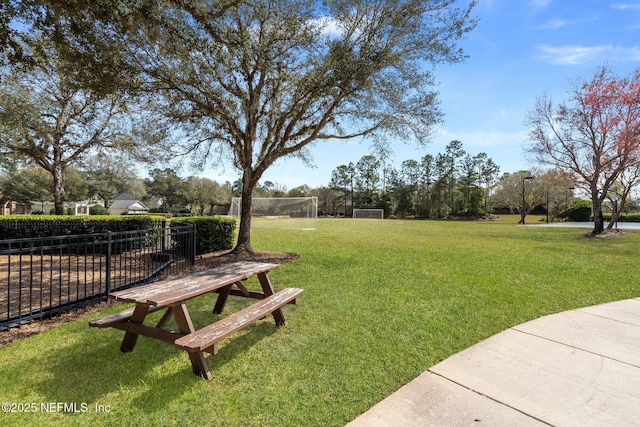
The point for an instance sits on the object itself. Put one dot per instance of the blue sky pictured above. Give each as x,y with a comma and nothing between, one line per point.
520,50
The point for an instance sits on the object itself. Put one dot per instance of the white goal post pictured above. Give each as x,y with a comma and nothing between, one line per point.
293,213
368,213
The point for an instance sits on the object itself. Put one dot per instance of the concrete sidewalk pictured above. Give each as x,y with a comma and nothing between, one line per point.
576,368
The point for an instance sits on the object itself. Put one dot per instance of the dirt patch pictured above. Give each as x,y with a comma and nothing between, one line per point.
225,257
202,263
610,233
36,280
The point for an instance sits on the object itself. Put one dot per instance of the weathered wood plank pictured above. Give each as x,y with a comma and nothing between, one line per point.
139,329
119,317
170,291
130,338
207,336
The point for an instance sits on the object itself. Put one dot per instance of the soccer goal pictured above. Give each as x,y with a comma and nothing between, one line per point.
292,213
368,213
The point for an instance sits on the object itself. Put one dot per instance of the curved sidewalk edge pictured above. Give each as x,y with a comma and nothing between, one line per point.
575,368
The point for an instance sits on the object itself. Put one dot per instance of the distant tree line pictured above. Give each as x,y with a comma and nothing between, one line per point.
435,187
453,183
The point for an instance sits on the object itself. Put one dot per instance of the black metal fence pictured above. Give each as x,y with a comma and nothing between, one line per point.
42,277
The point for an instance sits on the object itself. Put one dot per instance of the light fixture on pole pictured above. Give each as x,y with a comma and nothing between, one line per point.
547,203
566,202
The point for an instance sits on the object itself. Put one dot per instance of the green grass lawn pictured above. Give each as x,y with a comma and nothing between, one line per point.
383,301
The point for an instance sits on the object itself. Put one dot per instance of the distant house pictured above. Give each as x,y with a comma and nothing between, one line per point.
71,208
15,208
127,204
344,208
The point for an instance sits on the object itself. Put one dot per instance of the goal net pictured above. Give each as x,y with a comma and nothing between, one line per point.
368,213
293,213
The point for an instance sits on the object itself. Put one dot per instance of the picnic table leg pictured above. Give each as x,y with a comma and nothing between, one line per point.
165,318
267,288
199,365
183,320
185,325
223,295
224,292
130,338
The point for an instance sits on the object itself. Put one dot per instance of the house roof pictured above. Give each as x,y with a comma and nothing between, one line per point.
131,205
124,196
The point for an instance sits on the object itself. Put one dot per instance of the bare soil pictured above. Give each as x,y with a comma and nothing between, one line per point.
203,262
37,279
610,233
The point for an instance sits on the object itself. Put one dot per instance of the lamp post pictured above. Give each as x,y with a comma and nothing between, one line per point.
524,178
547,203
566,202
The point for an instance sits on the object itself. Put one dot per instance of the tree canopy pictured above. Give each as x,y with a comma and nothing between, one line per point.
259,80
263,80
50,118
593,137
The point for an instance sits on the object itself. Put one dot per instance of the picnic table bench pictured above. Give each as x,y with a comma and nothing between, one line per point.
171,295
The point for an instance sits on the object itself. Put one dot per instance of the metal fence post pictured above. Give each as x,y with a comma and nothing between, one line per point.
164,235
108,273
193,244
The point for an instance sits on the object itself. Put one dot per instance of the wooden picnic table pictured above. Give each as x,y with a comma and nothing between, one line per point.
171,295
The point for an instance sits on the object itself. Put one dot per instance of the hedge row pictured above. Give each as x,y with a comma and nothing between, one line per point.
632,217
212,233
27,226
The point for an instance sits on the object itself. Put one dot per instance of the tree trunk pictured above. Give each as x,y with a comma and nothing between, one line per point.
243,244
615,214
58,191
618,208
598,218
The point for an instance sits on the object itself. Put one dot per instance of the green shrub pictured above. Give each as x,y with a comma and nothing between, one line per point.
98,210
630,217
212,233
26,226
579,210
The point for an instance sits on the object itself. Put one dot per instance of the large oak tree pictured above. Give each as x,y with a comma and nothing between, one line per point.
258,80
266,79
53,122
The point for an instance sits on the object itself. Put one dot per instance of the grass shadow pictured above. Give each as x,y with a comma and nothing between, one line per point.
94,366
170,386
91,366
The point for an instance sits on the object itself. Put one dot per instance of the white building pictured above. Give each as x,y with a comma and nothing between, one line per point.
126,204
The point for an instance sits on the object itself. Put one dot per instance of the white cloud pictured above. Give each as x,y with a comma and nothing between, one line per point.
554,24
328,26
539,4
626,6
578,55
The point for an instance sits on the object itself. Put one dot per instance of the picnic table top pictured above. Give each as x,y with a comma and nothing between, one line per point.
167,292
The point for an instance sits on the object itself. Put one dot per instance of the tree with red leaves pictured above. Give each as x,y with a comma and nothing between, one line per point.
593,137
